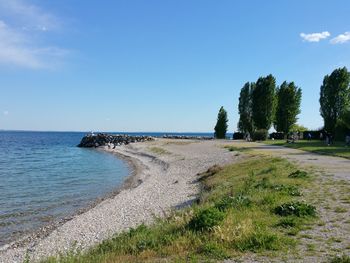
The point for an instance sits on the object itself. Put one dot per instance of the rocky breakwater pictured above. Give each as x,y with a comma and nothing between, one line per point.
111,140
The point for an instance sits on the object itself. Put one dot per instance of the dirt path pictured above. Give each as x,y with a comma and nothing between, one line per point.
330,193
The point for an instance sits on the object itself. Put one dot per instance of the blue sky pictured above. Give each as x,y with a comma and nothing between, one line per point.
160,65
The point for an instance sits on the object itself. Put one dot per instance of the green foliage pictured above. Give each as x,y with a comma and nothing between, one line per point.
245,123
345,118
340,259
259,240
263,102
260,135
288,106
206,219
237,201
334,97
213,250
298,128
288,222
298,209
292,190
298,174
221,124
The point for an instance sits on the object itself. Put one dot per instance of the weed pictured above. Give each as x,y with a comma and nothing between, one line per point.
206,219
296,208
298,174
237,201
340,259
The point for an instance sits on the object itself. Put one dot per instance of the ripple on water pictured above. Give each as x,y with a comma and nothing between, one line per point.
44,177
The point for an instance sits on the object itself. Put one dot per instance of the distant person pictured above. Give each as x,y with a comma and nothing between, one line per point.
327,137
309,136
347,140
330,139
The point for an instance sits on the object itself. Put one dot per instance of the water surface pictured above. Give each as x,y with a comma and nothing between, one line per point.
45,177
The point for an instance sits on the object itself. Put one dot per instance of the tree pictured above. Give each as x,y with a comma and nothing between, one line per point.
345,118
288,98
263,102
298,128
245,123
221,124
334,97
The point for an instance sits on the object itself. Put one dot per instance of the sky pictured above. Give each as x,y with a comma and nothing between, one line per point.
160,65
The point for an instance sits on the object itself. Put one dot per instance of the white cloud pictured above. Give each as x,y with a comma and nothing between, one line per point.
31,17
21,43
6,113
315,37
342,38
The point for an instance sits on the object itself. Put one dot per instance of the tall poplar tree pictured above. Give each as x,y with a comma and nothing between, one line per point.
334,97
221,124
245,123
263,102
288,98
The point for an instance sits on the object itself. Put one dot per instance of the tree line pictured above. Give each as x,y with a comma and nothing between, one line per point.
263,104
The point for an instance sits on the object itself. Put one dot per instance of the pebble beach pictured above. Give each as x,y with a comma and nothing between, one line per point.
163,177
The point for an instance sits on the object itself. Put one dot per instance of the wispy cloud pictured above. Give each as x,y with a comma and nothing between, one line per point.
23,30
315,37
6,113
342,38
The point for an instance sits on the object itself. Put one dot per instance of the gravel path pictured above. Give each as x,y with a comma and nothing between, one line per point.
165,177
330,193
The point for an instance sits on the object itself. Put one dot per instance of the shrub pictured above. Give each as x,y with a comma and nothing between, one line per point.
288,189
277,135
298,209
238,136
206,219
342,259
237,201
260,135
298,174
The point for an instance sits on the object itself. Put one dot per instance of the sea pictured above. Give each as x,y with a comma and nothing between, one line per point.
45,178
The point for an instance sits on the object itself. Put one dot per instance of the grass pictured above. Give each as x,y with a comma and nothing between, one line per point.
340,259
235,214
337,149
158,150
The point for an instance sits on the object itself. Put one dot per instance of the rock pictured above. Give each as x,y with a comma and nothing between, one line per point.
101,139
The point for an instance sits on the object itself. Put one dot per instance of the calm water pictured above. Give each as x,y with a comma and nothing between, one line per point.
45,177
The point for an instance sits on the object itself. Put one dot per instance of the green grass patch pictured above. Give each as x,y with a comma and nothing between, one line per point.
235,214
298,209
237,149
340,259
158,150
337,149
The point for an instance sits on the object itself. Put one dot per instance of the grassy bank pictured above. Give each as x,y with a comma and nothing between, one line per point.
337,149
250,207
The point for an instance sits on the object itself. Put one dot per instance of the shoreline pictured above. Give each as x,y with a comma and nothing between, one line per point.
157,184
130,181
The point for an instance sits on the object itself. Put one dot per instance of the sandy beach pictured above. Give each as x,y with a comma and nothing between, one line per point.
163,178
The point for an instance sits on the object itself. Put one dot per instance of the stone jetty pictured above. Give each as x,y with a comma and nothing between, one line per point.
111,140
